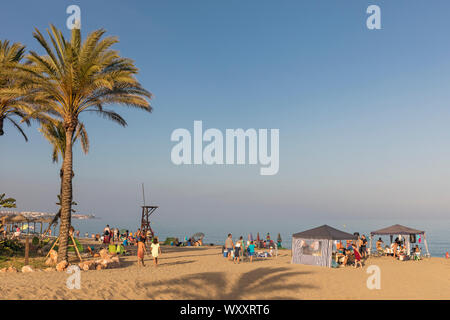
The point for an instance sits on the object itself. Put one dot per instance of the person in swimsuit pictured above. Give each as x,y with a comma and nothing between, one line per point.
357,257
394,248
237,250
141,250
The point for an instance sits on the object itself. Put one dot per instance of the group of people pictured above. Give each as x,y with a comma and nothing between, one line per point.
113,235
235,250
352,252
188,242
140,238
142,250
397,249
355,250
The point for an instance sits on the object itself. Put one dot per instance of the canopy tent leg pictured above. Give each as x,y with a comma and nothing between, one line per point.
330,250
408,245
426,244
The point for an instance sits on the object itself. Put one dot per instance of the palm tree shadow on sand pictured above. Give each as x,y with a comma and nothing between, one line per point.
261,283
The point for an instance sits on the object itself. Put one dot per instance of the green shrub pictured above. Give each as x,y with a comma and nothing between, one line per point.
8,247
35,241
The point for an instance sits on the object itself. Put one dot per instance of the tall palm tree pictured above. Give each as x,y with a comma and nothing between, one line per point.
74,78
12,96
54,133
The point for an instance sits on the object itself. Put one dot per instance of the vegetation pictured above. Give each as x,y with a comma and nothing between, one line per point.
9,247
19,262
13,98
72,78
7,202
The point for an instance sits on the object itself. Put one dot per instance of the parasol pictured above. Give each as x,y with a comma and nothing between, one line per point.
198,235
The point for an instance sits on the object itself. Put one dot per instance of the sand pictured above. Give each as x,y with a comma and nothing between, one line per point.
202,273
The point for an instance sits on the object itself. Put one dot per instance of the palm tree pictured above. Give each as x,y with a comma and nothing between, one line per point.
74,78
55,134
12,96
7,202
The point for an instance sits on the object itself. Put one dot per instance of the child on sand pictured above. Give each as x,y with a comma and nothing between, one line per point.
141,251
357,257
156,250
251,251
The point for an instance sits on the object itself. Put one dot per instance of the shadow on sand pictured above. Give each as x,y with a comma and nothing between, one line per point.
262,283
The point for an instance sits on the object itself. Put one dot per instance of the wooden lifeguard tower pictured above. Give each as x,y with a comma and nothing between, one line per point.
145,220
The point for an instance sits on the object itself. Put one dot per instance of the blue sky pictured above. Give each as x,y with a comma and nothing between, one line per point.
363,115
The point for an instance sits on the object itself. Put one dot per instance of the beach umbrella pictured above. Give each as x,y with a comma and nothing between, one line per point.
279,238
198,235
250,237
257,237
18,219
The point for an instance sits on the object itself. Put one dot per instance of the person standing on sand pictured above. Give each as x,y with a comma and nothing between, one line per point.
138,233
237,250
229,245
251,251
357,257
394,247
363,246
156,250
141,250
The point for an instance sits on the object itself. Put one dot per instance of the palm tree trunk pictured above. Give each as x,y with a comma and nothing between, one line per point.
66,196
1,125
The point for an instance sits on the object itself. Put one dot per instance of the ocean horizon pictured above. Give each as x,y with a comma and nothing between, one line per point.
436,230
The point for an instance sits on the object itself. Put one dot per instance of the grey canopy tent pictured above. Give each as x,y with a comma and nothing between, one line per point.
315,246
397,229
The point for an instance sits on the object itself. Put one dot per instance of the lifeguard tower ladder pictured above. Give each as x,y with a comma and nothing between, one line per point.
145,221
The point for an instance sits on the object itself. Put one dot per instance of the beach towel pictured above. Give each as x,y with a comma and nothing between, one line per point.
112,248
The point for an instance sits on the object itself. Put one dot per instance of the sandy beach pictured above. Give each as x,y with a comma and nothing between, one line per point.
203,273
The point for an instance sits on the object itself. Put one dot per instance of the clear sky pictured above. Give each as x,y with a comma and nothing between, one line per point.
363,114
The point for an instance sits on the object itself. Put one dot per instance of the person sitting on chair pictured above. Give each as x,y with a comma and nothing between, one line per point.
378,245
417,253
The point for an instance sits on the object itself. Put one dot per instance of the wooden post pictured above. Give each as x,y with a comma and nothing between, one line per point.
76,248
54,244
27,249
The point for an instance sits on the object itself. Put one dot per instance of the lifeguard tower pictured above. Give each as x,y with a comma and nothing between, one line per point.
145,220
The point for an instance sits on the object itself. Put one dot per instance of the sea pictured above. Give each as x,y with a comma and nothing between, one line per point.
437,230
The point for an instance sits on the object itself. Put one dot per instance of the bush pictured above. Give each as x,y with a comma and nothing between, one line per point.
8,247
35,241
169,240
